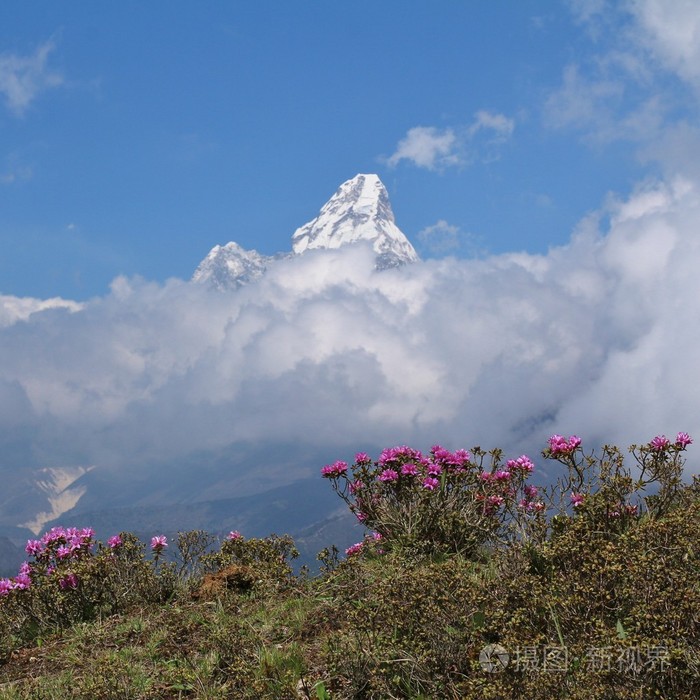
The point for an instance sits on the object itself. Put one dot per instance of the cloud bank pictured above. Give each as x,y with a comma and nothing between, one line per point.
597,337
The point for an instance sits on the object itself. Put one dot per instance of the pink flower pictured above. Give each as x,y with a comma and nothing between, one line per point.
577,499
376,536
354,549
530,492
69,581
391,455
355,486
683,440
159,543
502,475
234,535
492,504
115,541
523,464
409,469
456,461
434,469
333,471
363,458
389,475
559,445
22,582
63,552
34,547
430,483
660,442
462,456
53,535
5,586
486,476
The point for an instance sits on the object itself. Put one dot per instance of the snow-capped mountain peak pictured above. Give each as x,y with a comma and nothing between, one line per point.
358,211
229,266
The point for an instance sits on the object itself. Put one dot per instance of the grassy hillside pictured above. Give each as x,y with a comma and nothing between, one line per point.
454,594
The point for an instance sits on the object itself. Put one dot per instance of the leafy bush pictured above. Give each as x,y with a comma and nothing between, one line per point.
449,502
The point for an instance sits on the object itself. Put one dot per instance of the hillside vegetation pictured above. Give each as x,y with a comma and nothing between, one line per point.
471,583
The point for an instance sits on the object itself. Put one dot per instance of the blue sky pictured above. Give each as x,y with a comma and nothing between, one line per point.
135,136
543,157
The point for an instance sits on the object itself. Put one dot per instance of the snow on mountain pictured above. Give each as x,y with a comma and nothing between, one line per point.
61,491
358,211
230,266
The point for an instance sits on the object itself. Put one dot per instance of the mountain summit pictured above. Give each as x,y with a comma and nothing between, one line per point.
358,211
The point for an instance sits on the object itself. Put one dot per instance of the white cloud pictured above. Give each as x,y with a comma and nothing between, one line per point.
597,337
436,149
501,126
670,29
427,147
443,238
440,237
635,86
23,78
13,309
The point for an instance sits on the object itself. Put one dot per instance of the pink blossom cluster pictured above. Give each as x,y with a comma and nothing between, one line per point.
503,484
333,471
56,547
559,445
530,501
391,456
683,440
61,542
20,582
354,549
458,460
68,581
234,535
360,546
388,475
404,461
523,465
661,442
115,541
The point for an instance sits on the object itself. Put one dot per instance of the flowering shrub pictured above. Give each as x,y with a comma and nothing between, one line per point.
441,502
71,577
